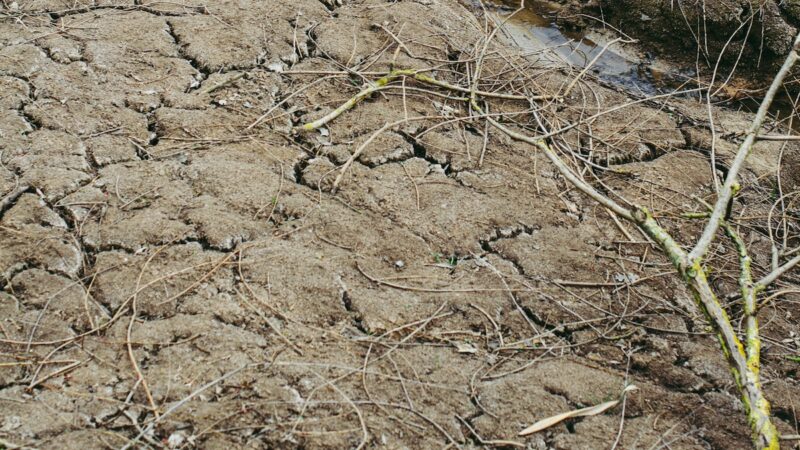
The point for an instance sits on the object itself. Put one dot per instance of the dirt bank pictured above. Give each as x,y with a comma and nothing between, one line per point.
753,36
175,269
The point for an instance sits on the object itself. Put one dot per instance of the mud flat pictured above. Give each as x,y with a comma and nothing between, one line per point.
176,271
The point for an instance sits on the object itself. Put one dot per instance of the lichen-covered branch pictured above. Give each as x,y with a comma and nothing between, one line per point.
758,410
418,75
731,180
354,100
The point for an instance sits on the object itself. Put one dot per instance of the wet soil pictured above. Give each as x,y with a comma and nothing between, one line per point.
161,258
739,41
539,29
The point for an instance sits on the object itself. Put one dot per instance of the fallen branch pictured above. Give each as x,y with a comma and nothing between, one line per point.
383,82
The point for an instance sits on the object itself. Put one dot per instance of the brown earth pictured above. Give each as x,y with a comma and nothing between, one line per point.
150,243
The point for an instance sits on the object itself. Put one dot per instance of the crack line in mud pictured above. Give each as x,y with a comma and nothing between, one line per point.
420,151
202,70
347,303
11,198
331,5
34,123
486,246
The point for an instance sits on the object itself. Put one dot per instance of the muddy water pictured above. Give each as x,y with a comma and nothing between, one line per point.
625,66
534,30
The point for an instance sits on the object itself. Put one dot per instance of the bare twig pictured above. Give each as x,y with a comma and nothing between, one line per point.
775,274
731,180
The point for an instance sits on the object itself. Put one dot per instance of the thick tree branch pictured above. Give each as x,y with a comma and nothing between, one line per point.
765,435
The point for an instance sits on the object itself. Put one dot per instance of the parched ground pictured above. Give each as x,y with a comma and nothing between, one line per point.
176,272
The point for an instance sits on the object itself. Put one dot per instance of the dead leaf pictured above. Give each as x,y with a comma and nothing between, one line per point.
464,347
583,412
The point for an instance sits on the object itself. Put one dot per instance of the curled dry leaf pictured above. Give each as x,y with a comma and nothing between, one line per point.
465,347
583,412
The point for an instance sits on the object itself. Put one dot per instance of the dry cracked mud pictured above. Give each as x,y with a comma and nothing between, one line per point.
453,291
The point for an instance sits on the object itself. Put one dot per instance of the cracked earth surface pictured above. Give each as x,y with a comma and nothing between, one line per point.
440,297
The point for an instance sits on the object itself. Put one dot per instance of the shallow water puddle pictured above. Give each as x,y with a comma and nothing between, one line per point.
534,32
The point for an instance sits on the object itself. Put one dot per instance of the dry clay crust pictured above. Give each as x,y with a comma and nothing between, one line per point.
143,190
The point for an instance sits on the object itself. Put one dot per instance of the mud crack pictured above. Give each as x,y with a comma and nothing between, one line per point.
202,70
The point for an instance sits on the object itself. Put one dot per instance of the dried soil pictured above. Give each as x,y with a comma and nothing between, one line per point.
453,291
